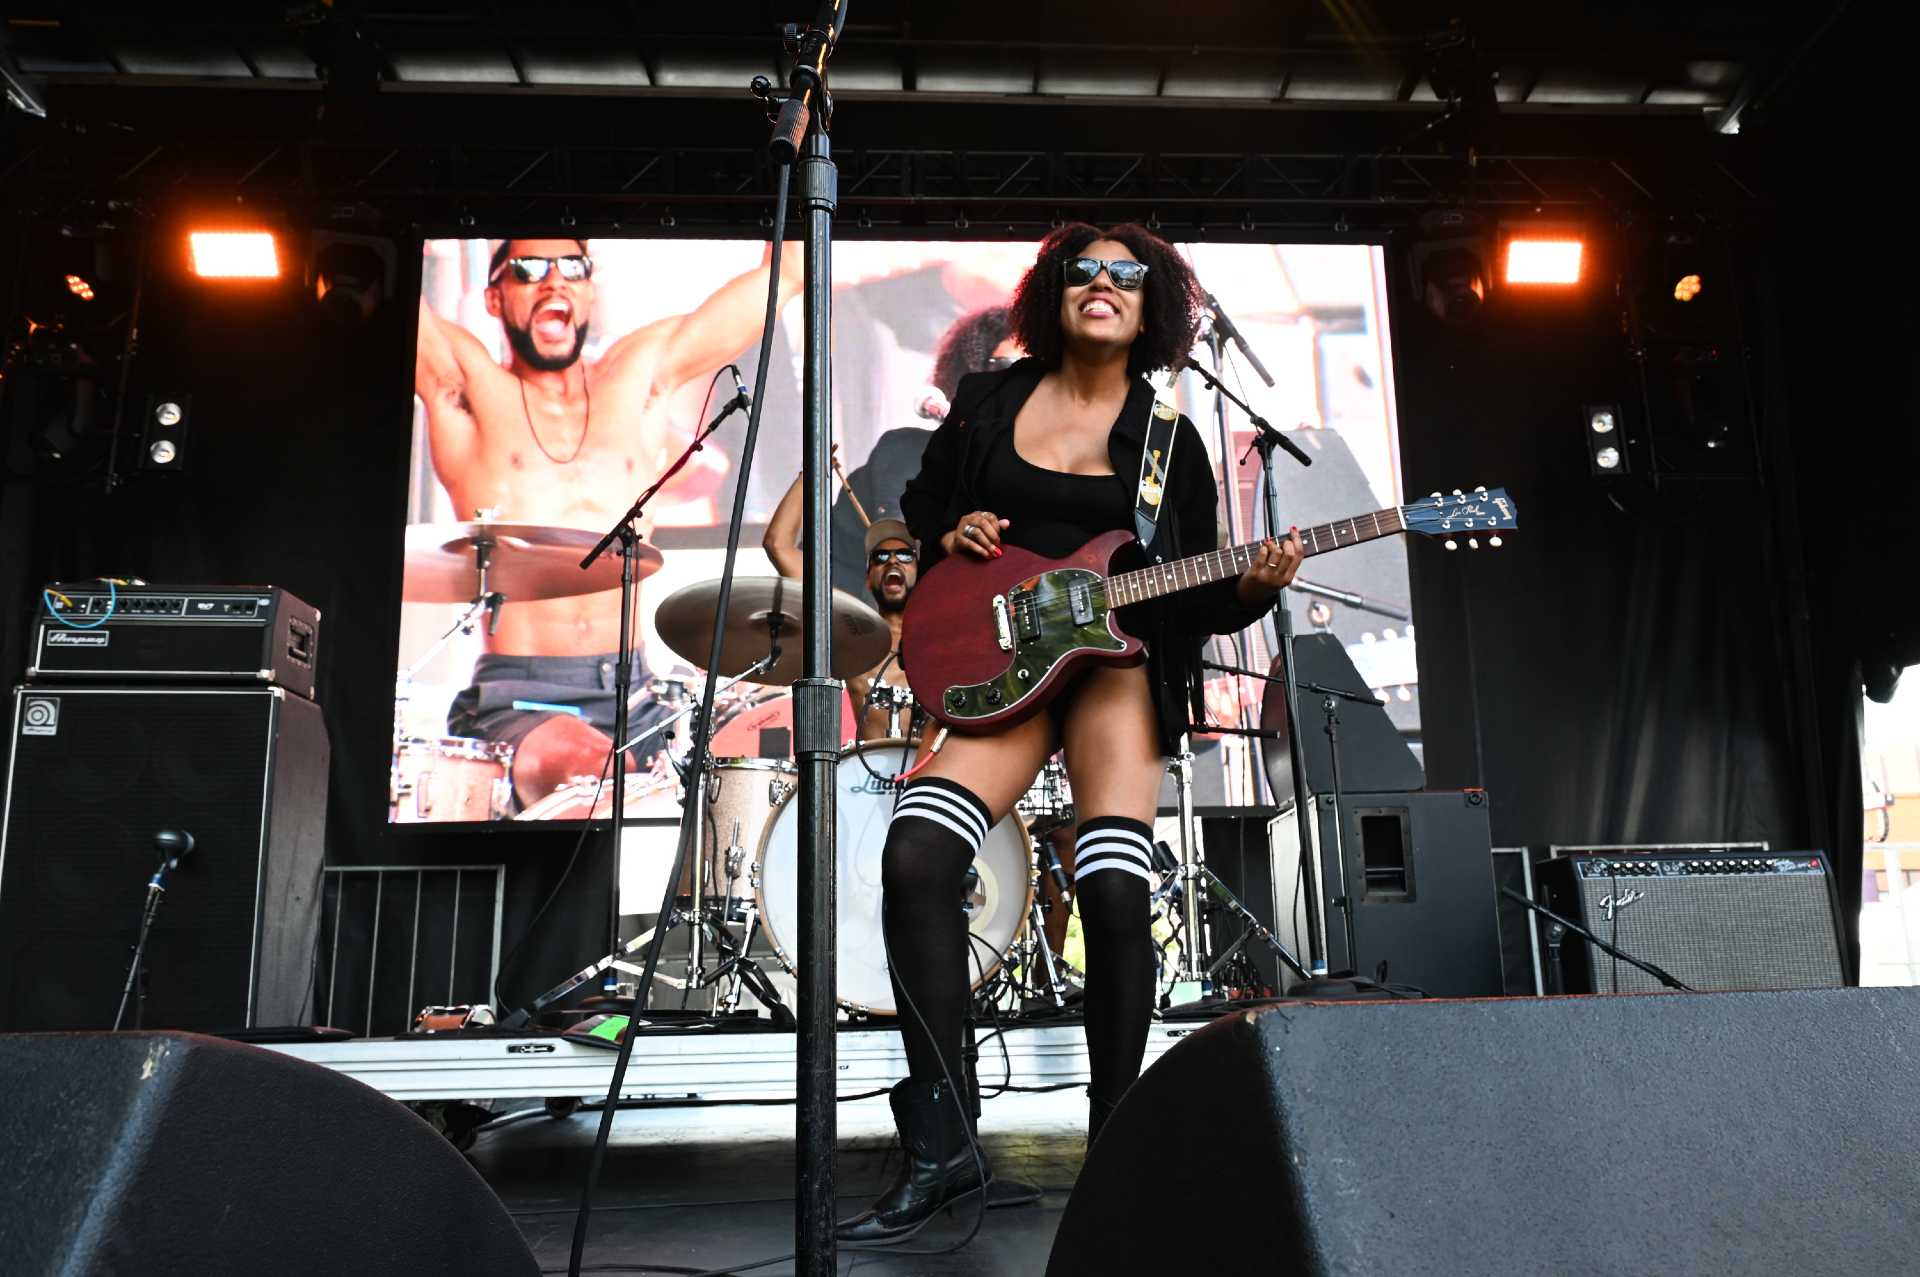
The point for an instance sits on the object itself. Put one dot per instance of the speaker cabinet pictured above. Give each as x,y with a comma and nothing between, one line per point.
1420,871
1675,1133
1712,920
94,774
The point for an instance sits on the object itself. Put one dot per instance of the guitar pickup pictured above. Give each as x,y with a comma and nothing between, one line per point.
1002,623
1080,599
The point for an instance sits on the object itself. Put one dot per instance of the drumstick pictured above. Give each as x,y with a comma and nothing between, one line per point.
858,509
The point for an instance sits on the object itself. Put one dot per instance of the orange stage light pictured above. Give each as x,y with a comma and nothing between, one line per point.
1543,261
80,288
234,255
1687,289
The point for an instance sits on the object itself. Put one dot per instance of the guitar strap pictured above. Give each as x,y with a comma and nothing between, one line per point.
1156,462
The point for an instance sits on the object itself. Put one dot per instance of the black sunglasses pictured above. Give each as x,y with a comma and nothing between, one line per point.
1126,275
996,363
531,270
880,558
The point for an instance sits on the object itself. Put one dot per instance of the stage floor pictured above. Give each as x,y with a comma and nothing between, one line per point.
701,1188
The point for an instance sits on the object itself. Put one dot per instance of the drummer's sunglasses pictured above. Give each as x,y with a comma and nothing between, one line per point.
1126,275
880,558
574,268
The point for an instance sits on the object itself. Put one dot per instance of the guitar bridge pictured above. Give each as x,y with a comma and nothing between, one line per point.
1002,623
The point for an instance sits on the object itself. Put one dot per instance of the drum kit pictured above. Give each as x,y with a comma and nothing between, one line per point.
740,894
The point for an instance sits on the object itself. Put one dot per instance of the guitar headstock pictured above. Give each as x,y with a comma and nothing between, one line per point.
1470,515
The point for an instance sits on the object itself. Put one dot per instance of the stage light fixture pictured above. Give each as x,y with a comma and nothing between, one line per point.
1448,263
1543,261
163,445
1606,442
80,288
234,255
1686,288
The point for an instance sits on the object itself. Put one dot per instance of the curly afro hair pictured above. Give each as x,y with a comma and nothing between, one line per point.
1170,313
968,345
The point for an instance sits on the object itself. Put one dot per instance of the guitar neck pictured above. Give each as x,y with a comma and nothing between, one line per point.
1137,586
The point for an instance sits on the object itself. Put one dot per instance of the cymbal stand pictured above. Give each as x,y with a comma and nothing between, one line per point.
1195,943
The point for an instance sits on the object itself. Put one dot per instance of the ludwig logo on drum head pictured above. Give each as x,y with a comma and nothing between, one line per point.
40,716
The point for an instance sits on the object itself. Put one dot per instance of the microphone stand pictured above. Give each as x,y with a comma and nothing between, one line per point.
800,139
1265,440
136,969
1663,977
627,535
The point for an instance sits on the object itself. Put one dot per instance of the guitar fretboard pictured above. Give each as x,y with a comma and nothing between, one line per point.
1141,584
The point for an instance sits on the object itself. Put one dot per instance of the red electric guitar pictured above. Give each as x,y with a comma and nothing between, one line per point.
988,642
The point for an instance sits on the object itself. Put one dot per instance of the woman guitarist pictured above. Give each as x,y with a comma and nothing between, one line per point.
1044,455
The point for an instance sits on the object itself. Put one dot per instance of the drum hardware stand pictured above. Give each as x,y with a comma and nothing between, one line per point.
1265,440
1197,881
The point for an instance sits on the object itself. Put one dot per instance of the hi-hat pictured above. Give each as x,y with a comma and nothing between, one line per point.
685,620
525,562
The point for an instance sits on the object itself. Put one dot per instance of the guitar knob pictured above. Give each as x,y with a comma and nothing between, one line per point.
993,696
956,699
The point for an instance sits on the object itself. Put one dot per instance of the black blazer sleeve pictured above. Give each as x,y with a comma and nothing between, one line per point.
1215,608
932,500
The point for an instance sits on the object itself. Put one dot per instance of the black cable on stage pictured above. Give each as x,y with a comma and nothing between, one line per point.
698,763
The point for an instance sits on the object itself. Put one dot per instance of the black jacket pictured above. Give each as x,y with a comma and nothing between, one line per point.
1173,627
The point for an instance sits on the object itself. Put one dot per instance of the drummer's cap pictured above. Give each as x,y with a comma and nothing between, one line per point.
888,530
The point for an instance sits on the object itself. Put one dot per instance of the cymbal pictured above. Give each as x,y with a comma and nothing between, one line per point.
528,561
685,618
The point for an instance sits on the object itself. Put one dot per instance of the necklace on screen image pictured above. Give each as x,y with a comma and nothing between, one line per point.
584,429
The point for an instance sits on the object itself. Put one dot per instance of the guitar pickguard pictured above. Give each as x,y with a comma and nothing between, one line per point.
1052,616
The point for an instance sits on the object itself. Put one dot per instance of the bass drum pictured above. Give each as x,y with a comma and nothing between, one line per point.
999,891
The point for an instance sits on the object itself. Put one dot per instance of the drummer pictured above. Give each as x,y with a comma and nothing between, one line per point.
893,567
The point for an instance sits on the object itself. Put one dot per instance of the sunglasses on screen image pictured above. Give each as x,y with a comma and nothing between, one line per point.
531,270
1126,275
880,558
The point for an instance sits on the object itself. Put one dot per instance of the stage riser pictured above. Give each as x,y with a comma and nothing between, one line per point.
705,1065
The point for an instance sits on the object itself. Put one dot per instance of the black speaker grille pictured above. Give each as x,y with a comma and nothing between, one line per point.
1737,931
83,805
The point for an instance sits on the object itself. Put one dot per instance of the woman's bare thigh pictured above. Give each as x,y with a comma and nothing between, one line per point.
1112,745
999,768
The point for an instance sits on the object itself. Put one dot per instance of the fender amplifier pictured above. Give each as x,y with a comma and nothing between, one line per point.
96,633
1735,920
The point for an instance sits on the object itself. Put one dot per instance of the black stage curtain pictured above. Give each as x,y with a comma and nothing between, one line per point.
1619,671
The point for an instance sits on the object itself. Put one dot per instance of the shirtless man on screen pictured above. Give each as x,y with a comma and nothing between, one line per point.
552,438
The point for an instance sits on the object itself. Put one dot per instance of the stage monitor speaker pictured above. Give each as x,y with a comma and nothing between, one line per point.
1374,755
1720,1133
95,773
1421,871
1722,920
172,1153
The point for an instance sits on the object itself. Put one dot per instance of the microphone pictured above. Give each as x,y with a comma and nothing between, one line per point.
741,399
1225,328
933,405
173,846
494,601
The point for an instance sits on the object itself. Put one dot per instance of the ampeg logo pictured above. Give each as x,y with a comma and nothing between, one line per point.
62,639
40,716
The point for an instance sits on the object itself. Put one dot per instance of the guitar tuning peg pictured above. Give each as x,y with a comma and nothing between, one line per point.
1436,495
1482,489
1495,542
1473,543
1458,493
1451,544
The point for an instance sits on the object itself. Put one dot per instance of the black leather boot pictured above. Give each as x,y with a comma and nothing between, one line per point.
939,1169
